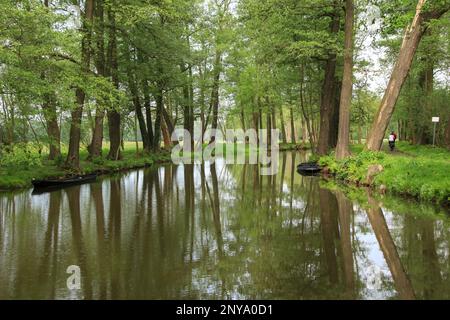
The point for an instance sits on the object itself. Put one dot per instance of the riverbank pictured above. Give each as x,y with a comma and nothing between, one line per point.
422,172
27,164
20,176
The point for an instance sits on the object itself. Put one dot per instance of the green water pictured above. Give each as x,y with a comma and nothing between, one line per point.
220,232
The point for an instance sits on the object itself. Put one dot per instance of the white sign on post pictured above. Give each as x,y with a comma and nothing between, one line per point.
435,119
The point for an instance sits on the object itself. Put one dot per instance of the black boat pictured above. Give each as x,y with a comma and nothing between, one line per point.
309,168
63,182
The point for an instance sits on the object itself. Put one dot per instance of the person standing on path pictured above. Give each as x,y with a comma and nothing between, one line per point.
392,139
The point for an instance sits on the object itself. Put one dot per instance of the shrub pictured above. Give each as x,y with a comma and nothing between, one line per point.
20,156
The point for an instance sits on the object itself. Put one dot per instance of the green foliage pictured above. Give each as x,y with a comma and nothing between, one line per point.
423,172
20,157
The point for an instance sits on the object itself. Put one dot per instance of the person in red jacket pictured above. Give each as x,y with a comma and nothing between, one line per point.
392,139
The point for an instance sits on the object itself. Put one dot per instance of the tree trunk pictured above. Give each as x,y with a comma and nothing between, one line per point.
53,131
166,135
132,86
114,119
343,145
307,122
255,121
291,114
168,120
426,82
334,123
148,113
73,157
95,148
51,118
158,119
283,126
401,69
269,127
447,133
328,90
188,110
215,93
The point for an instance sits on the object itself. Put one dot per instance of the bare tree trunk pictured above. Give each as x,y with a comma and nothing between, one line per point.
291,114
148,112
426,82
188,108
283,126
114,119
343,145
158,118
269,127
73,157
334,122
447,133
401,69
168,120
215,93
95,148
202,102
328,90
307,122
255,117
53,131
166,135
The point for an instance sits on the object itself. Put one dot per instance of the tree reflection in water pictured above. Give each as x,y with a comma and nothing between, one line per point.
218,231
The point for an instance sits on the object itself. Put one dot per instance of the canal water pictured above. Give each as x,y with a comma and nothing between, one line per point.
220,232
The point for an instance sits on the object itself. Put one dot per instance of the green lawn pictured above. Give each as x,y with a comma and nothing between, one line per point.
418,171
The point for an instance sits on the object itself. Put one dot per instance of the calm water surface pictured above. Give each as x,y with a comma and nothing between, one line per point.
220,232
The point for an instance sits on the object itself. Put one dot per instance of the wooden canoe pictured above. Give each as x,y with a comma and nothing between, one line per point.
64,182
308,169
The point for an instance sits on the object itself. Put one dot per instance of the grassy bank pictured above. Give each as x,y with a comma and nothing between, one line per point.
419,171
26,165
19,168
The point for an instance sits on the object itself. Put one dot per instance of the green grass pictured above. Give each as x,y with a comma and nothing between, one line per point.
20,176
419,171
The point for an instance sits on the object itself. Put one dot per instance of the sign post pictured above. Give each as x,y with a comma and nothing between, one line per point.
435,121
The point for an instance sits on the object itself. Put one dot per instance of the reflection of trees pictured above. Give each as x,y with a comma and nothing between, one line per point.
330,231
345,213
51,244
73,196
102,250
387,245
190,232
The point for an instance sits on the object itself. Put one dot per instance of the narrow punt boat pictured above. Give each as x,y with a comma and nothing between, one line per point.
308,169
63,182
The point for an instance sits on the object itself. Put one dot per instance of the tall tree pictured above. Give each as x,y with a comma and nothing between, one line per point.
328,88
51,118
343,145
114,118
73,156
95,148
411,41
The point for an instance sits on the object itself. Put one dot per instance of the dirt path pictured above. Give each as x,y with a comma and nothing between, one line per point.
385,148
